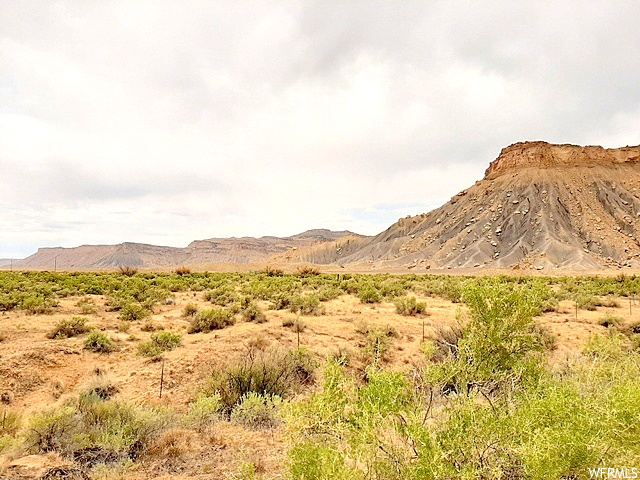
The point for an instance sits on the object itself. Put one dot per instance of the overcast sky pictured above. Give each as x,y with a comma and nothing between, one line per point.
168,121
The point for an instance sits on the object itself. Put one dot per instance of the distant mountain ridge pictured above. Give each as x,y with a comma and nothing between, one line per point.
209,251
6,262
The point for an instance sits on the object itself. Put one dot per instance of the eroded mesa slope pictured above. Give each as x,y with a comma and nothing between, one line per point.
540,205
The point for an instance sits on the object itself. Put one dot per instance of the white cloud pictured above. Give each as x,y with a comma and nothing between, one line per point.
164,121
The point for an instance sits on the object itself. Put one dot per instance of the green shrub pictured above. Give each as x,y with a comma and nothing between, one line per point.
329,292
494,348
132,312
369,294
545,336
608,347
211,319
409,306
98,342
69,328
204,410
222,296
288,322
377,345
257,411
306,305
124,326
87,307
252,313
100,386
52,430
117,431
586,302
303,366
35,304
607,302
159,343
557,426
280,301
167,340
149,349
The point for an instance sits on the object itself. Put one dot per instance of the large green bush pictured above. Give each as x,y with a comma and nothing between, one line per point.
556,426
211,319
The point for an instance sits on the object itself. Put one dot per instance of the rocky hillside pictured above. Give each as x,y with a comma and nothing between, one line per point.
210,251
539,205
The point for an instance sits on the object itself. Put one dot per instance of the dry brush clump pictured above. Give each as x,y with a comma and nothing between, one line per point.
307,304
308,270
377,342
127,270
182,271
190,310
269,372
99,342
410,306
94,431
270,271
253,313
611,321
71,327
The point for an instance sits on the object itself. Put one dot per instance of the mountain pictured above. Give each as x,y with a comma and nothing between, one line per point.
5,262
539,205
209,251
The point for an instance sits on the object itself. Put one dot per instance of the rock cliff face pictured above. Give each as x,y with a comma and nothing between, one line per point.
545,155
539,205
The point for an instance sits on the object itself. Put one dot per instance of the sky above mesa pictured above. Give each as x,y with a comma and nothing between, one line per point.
168,121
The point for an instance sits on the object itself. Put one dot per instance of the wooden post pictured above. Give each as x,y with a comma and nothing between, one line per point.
298,331
161,378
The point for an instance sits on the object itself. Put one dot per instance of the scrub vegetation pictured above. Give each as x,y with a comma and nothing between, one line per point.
318,376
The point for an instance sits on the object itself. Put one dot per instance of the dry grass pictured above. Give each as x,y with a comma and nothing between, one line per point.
127,270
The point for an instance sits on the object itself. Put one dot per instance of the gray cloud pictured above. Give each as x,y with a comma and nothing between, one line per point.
169,121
